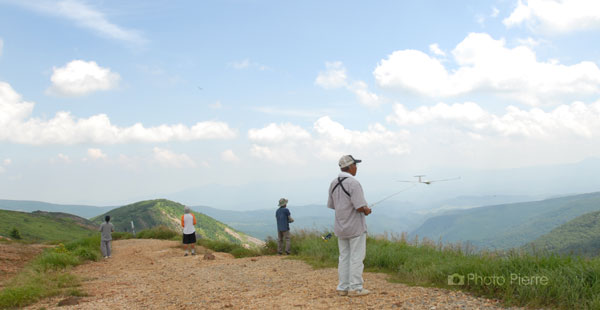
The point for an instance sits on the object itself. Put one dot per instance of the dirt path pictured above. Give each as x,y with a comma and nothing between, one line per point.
154,274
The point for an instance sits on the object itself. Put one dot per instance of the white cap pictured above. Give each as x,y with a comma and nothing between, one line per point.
348,160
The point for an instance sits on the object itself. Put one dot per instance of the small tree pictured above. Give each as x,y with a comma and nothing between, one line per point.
15,234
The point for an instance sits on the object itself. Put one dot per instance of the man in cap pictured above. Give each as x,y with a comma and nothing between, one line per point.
346,197
284,219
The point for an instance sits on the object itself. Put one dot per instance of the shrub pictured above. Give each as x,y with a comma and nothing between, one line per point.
15,234
122,235
160,232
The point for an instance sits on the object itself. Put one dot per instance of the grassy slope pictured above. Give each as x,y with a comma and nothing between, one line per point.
578,236
45,226
151,213
509,225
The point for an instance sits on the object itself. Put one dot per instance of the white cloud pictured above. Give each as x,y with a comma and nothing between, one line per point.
168,158
79,78
7,161
293,144
335,77
552,16
486,64
435,49
247,64
96,153
274,133
17,126
574,120
84,16
61,158
229,156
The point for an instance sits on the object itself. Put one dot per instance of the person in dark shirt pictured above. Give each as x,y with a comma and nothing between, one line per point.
284,219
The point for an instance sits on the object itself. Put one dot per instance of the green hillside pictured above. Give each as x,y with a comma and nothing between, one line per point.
45,226
509,225
152,213
579,236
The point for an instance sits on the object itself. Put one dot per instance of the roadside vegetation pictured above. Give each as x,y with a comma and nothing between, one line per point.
515,277
45,275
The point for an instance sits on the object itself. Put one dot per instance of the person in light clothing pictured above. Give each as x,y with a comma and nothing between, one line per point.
106,230
346,197
188,220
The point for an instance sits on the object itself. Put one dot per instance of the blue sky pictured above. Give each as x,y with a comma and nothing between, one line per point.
110,101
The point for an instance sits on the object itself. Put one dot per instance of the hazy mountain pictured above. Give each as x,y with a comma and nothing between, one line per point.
386,217
30,206
45,226
152,213
579,236
507,225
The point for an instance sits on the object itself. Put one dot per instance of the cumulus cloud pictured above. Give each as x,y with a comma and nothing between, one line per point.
61,158
435,49
168,158
486,64
96,153
327,140
84,16
78,78
573,120
277,133
552,16
17,126
335,77
229,156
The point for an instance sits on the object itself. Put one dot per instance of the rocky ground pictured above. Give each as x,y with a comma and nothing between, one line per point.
154,274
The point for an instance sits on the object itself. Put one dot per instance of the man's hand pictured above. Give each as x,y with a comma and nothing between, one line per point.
365,209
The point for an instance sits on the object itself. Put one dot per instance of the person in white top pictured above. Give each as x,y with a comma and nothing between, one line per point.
188,220
346,197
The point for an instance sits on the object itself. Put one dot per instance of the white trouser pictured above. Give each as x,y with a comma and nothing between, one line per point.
350,265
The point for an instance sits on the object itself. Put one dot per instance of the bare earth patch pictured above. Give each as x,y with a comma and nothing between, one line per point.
154,274
14,256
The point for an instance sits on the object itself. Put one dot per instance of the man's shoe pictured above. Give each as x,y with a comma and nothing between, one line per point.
342,293
357,293
193,253
186,254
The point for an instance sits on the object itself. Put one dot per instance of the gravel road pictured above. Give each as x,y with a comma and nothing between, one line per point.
154,274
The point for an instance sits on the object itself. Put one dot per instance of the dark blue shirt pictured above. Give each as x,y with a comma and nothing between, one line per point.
282,219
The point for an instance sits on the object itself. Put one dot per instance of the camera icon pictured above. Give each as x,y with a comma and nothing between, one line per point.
456,279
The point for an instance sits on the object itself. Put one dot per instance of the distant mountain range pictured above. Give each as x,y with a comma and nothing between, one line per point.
461,219
388,217
42,226
580,236
508,225
30,206
152,213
